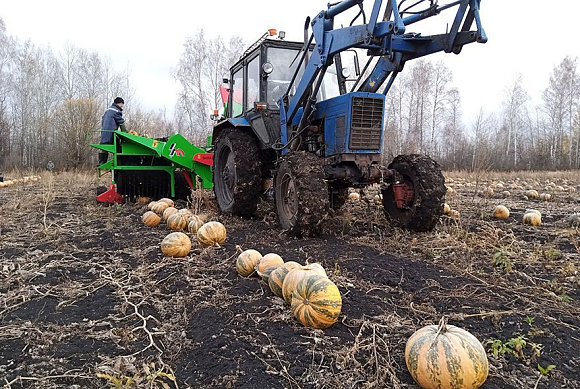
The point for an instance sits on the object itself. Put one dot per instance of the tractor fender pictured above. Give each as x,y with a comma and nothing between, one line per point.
229,123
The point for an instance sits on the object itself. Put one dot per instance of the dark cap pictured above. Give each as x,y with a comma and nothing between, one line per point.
119,100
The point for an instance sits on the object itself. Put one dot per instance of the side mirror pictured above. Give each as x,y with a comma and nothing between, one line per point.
226,80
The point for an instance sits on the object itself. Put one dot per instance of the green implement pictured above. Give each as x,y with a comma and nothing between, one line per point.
161,167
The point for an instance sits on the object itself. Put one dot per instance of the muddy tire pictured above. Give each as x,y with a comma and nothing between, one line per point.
237,172
301,194
424,175
337,197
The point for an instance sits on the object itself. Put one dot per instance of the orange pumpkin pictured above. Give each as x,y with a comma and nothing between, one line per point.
501,212
276,279
295,275
176,244
267,261
168,212
212,234
177,222
445,356
247,261
151,205
532,218
316,302
150,219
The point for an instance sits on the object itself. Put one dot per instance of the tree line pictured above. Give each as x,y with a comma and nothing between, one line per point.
48,101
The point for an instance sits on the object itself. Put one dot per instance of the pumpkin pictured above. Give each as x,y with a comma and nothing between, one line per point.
186,212
574,220
316,302
506,193
133,132
294,276
151,205
269,260
501,212
2,184
446,356
247,261
532,218
446,208
176,244
545,197
276,279
194,224
168,212
316,267
143,200
489,192
160,207
150,219
268,263
531,194
354,196
212,234
169,202
177,222
454,214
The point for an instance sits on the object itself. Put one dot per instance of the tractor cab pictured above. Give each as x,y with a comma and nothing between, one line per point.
259,80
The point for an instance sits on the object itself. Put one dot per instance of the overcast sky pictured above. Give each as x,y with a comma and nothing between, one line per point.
525,36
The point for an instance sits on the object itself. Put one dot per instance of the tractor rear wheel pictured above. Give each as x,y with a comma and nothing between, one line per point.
423,181
301,194
237,172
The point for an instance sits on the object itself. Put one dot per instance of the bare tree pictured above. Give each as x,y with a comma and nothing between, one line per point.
515,119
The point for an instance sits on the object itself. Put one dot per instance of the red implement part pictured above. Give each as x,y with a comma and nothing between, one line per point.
110,196
205,158
403,193
187,178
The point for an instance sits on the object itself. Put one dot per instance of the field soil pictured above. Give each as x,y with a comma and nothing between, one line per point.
87,299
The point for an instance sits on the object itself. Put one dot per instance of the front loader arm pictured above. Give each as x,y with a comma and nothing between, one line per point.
386,39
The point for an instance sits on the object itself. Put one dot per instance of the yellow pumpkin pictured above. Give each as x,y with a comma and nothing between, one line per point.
276,279
151,205
445,356
501,212
177,222
169,202
269,260
194,224
186,212
150,219
294,276
354,196
316,302
176,244
545,196
168,212
212,234
247,261
532,218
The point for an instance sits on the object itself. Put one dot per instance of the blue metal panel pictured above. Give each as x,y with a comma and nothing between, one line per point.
337,115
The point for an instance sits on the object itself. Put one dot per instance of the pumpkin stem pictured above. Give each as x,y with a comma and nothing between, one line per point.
442,326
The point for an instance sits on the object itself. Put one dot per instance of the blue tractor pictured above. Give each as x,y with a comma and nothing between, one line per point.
295,116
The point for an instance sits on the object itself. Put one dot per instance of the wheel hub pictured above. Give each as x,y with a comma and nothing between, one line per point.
403,194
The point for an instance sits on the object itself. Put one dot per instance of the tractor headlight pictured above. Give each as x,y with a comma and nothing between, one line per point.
267,67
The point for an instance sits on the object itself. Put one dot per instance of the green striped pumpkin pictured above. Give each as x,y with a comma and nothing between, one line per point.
316,302
247,261
446,357
211,234
276,279
295,275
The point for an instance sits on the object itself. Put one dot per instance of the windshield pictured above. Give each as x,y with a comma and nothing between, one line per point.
279,80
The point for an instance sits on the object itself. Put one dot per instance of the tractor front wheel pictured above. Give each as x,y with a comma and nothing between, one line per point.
301,194
237,172
416,201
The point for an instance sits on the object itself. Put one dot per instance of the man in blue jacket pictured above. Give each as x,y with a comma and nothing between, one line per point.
111,121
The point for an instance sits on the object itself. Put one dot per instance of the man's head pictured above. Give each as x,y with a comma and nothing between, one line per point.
119,101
